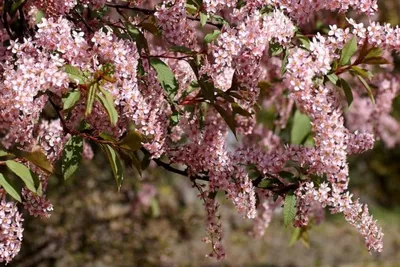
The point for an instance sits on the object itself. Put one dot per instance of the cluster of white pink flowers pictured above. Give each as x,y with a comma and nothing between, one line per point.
171,16
302,11
190,125
10,230
354,212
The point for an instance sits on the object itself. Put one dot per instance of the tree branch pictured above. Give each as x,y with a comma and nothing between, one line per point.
151,12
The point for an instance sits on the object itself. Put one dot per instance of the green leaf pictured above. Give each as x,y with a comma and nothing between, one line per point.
333,78
203,18
374,52
211,37
174,119
295,236
145,161
376,61
165,77
39,16
5,153
75,74
366,86
301,128
108,103
115,164
285,61
275,49
71,99
181,49
15,6
38,158
208,89
90,98
24,173
9,188
132,141
138,37
348,51
347,90
239,110
361,72
289,208
304,40
150,27
190,8
228,118
72,156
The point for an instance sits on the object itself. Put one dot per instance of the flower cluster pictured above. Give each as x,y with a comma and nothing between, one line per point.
148,88
10,230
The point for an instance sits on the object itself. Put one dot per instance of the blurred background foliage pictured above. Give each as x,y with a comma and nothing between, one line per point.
157,220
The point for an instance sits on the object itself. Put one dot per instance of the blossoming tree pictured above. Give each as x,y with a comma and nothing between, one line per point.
256,100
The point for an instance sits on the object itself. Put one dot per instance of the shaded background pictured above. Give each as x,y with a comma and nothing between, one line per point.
157,219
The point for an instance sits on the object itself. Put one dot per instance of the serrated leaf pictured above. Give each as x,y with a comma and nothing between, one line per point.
165,76
38,158
108,103
24,173
347,90
90,98
72,156
132,141
211,37
115,163
75,74
300,129
203,18
348,51
367,88
289,208
9,188
70,100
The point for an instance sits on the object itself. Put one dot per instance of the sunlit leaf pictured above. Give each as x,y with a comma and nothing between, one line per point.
72,156
289,208
70,100
348,51
165,76
211,37
9,188
24,173
107,101
115,163
367,88
301,128
75,74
